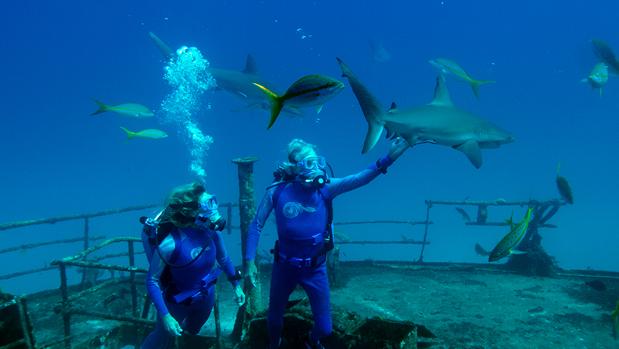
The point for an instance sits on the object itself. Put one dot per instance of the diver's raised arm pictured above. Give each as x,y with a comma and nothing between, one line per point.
338,186
257,224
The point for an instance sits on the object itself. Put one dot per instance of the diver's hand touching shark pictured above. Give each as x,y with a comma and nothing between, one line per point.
398,147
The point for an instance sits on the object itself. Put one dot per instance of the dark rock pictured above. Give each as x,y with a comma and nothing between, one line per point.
597,285
536,310
350,330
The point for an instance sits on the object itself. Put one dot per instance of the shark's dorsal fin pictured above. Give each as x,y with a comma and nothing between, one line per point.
393,107
250,65
441,94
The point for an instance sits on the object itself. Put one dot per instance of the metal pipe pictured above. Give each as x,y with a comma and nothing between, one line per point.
498,202
247,211
134,290
382,222
386,242
97,314
26,272
103,266
46,243
425,231
25,323
53,220
100,246
217,320
66,315
229,218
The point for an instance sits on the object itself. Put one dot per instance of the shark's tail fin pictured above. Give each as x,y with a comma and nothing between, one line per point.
476,83
277,103
130,134
102,108
370,106
166,51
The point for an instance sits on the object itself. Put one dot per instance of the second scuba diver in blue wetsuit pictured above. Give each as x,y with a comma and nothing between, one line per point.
182,244
301,199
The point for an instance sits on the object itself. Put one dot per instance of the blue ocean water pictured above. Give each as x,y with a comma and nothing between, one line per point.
58,160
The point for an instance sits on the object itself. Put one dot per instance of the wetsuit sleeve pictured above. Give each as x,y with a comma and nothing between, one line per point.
223,259
255,228
153,285
339,186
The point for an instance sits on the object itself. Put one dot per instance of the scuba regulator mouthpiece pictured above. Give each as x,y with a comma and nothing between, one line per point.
318,181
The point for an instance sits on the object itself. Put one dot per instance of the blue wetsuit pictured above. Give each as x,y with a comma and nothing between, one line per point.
301,216
179,248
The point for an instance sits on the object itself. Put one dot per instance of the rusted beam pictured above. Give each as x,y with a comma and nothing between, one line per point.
99,246
383,242
382,222
102,315
46,243
497,202
53,220
26,272
102,266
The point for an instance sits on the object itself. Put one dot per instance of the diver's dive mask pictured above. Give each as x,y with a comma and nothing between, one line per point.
209,212
312,170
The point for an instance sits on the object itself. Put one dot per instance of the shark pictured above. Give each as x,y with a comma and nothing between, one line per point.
438,122
240,83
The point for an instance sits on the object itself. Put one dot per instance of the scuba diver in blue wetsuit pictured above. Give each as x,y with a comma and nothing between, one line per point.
182,244
301,198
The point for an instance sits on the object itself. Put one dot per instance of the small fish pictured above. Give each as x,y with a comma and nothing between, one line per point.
508,243
598,76
605,54
150,133
128,109
564,188
481,251
448,66
615,316
310,90
463,213
597,285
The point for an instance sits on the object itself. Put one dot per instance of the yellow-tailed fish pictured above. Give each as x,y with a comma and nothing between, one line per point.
310,90
150,133
445,65
128,109
507,245
598,76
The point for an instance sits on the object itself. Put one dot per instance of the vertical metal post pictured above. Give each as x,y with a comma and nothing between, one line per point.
218,343
85,272
229,219
26,325
86,233
425,231
134,290
66,314
247,211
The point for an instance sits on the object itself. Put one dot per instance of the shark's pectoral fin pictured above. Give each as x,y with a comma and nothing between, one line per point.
471,149
372,137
